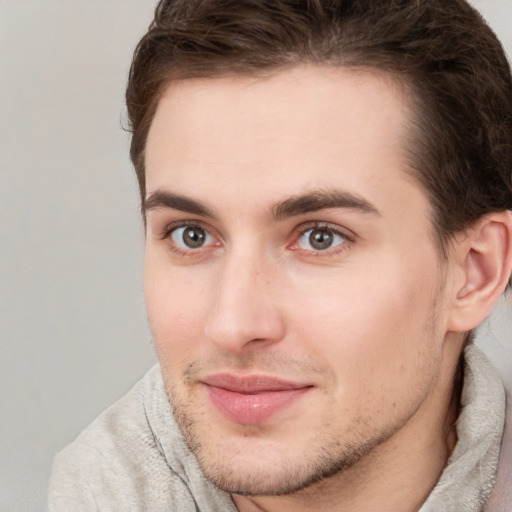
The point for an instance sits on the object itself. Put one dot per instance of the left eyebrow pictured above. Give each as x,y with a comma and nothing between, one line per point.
321,200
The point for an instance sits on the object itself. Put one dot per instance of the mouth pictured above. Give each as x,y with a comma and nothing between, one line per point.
251,400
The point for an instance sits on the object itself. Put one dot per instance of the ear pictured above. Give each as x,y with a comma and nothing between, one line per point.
484,256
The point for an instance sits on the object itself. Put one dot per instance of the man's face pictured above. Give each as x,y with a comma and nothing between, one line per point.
291,275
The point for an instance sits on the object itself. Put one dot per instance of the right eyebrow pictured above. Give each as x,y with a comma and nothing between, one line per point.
161,199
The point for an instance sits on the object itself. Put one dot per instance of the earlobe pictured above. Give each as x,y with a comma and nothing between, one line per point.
485,257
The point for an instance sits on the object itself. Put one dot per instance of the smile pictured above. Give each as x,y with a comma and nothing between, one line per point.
251,400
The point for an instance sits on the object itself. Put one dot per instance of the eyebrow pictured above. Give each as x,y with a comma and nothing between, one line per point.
321,200
161,199
291,207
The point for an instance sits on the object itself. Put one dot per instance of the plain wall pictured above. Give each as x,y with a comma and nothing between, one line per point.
73,329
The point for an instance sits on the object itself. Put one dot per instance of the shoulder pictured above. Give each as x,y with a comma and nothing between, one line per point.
118,463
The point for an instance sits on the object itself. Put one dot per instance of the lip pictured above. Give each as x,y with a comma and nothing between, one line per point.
252,399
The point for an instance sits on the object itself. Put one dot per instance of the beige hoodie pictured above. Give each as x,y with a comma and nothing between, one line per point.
133,458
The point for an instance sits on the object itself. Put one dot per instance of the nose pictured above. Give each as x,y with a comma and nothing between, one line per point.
245,309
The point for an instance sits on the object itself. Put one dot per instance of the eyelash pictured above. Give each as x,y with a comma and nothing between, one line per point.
170,228
322,226
300,231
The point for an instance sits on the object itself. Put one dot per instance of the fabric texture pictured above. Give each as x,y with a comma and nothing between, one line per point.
133,457
468,479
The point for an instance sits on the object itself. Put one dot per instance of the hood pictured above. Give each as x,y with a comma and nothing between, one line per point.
501,497
495,339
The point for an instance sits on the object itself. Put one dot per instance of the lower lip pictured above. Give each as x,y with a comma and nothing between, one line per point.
255,408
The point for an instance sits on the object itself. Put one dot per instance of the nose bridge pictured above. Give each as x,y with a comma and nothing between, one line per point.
244,308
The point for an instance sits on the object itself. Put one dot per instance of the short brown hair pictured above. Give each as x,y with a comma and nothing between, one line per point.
443,52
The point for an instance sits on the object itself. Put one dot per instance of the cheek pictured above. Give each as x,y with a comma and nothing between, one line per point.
372,332
177,307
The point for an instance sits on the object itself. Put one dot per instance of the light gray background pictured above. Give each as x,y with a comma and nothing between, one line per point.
73,330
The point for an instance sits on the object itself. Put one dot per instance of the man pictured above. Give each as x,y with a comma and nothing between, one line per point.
326,190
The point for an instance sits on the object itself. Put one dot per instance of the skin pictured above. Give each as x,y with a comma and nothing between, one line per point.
364,323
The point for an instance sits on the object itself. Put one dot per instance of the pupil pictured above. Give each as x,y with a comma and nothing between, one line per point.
320,239
194,237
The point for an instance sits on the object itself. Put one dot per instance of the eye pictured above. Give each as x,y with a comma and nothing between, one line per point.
191,237
320,239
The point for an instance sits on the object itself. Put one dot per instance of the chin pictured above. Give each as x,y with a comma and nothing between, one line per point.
256,466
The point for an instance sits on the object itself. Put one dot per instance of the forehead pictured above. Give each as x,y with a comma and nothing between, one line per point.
306,127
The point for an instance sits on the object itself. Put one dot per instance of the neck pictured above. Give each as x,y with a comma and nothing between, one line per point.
399,474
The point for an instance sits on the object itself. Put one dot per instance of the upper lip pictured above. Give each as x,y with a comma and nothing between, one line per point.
251,383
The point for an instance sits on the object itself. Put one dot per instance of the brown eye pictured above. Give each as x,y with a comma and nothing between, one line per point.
320,239
191,237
